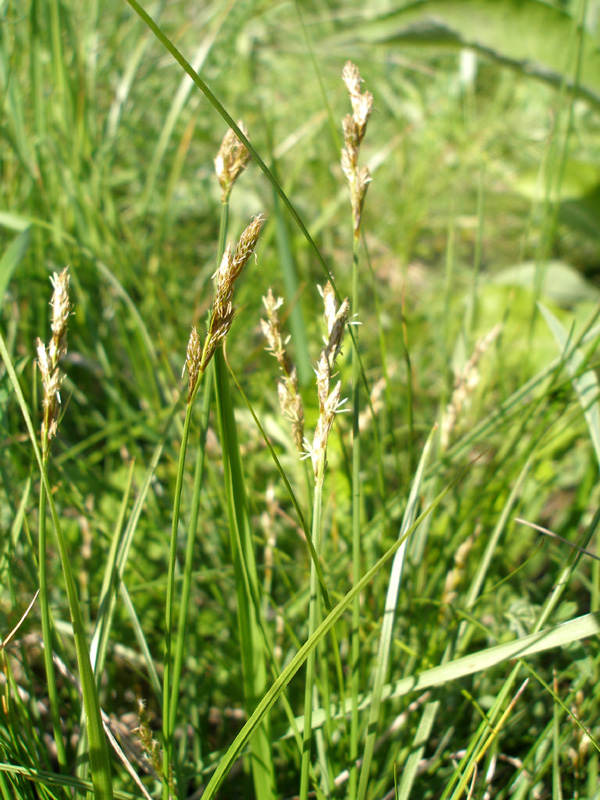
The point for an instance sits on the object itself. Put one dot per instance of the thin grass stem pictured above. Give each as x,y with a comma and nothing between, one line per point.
356,545
98,749
47,634
169,610
189,548
313,622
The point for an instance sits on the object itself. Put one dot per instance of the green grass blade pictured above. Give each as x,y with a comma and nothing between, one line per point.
246,580
387,627
98,749
269,699
585,384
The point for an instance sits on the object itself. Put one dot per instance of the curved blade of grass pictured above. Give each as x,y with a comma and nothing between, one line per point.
290,491
387,627
218,106
484,562
586,384
246,580
298,660
177,106
559,636
98,749
43,777
108,588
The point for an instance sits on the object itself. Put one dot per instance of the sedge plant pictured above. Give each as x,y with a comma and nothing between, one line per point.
355,126
199,355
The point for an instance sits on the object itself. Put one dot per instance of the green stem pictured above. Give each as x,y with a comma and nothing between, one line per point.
47,628
313,622
356,548
167,718
189,551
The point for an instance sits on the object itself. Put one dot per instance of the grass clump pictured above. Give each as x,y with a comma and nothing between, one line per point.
230,605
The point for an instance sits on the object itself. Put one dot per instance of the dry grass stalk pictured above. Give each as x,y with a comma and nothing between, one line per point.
288,390
48,358
355,126
290,401
329,400
231,160
465,383
223,310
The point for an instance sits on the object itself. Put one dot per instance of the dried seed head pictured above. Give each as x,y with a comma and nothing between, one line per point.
193,361
465,383
291,406
323,373
362,103
336,334
318,450
230,268
47,358
355,126
271,328
246,245
288,390
61,309
231,160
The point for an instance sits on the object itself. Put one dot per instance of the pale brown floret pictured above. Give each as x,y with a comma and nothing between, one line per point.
61,309
362,103
291,406
465,383
223,310
288,390
193,360
329,401
336,335
231,160
289,395
48,358
318,449
355,126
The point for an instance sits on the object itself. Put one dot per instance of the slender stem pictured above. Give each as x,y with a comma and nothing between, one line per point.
189,550
356,548
167,727
313,622
47,629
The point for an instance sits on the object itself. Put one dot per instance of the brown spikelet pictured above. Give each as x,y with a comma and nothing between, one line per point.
288,390
223,310
61,309
231,160
330,402
465,383
354,126
193,360
48,358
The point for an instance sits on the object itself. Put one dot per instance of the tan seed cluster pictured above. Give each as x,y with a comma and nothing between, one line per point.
290,401
456,575
231,160
223,310
288,390
355,126
465,383
48,357
329,399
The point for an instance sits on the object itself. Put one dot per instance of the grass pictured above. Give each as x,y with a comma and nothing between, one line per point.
217,615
